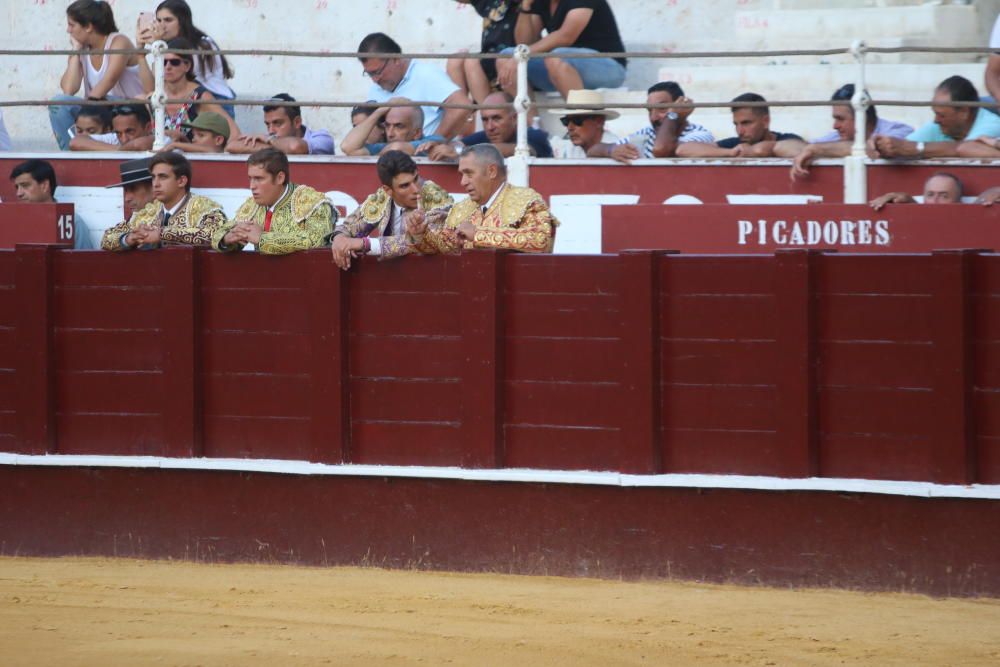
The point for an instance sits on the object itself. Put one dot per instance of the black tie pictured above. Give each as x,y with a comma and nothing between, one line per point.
166,218
484,211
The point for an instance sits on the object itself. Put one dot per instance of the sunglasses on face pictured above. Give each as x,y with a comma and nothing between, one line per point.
576,120
174,62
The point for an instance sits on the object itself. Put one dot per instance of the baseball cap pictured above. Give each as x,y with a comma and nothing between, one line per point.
210,121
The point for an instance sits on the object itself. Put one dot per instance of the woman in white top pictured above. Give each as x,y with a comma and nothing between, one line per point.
173,20
91,27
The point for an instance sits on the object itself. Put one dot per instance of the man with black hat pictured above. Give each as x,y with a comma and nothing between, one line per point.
209,134
174,217
136,183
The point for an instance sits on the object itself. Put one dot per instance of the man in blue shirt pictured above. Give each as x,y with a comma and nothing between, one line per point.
403,77
951,125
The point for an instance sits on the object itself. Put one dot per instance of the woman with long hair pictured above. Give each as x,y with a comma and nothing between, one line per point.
173,20
180,83
91,27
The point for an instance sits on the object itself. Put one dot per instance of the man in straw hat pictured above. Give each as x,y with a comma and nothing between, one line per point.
668,128
584,126
496,214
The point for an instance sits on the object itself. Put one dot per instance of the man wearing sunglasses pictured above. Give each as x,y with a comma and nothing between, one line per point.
132,126
403,77
584,127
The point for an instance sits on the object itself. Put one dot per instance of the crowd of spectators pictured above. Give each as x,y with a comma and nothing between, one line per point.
392,121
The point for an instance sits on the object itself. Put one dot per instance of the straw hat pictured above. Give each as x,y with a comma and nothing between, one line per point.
589,98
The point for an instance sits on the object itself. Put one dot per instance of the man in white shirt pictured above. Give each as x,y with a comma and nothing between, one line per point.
403,77
667,129
584,127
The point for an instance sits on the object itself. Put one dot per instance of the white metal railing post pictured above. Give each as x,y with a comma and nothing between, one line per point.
855,170
517,165
158,48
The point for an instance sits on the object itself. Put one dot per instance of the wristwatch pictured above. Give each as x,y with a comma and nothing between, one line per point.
920,150
672,115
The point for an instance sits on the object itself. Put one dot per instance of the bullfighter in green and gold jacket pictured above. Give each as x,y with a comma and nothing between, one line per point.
280,217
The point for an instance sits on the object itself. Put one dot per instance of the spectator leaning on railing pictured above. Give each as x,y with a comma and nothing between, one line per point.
499,129
840,141
584,127
940,188
91,27
285,132
668,128
132,126
951,125
754,136
403,131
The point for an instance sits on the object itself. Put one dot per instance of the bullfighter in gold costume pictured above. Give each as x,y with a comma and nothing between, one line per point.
174,217
280,217
403,198
496,214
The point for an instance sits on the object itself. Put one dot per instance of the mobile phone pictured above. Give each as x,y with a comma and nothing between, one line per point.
146,20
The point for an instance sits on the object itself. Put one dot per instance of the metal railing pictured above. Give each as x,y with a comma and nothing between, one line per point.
855,164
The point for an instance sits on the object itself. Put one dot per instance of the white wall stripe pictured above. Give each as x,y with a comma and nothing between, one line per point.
741,482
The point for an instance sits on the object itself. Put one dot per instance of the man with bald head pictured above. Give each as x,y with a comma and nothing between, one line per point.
496,215
404,130
940,188
499,129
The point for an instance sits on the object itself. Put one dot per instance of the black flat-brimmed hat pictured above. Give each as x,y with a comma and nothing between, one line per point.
133,171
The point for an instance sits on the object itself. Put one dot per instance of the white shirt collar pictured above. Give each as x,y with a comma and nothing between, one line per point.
283,195
176,207
490,201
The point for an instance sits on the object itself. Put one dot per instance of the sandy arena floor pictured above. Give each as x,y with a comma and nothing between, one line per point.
120,612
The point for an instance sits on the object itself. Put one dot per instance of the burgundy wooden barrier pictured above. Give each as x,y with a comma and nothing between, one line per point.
36,223
751,228
710,181
795,364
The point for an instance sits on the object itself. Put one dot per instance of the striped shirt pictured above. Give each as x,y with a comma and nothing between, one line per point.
647,135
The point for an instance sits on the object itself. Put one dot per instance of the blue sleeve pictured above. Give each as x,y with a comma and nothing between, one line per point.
320,142
987,125
476,138
731,142
539,141
928,132
82,240
374,149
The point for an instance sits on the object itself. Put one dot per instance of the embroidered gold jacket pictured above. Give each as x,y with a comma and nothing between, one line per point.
193,223
375,212
518,219
303,218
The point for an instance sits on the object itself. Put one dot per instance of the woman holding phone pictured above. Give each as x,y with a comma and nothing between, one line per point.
91,27
173,20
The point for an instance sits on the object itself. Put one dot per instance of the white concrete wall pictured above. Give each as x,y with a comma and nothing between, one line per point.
419,25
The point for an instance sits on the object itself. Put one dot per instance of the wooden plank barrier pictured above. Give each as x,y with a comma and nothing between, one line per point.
798,364
757,228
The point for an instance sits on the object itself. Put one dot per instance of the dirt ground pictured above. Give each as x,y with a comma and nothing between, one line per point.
123,612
